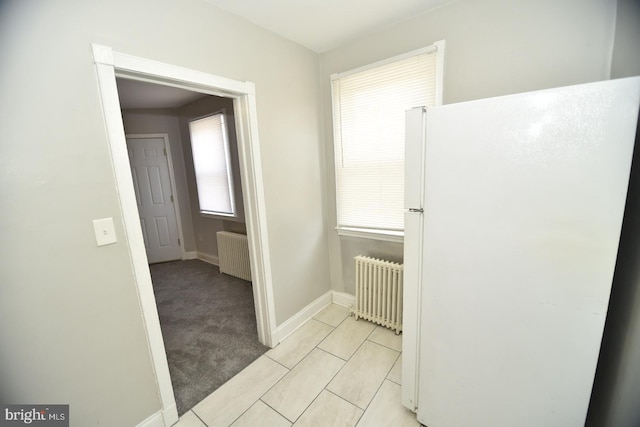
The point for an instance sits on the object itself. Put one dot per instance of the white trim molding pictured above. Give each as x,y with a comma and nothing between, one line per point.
368,233
307,313
110,64
303,316
154,420
208,258
190,255
343,299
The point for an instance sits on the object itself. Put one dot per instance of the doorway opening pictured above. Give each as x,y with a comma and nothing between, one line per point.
109,65
207,318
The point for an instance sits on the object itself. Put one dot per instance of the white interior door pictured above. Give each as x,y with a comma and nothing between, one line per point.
524,200
154,195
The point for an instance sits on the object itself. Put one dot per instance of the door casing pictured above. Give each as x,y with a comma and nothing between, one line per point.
109,65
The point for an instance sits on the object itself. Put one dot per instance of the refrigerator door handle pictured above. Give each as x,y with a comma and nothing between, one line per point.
418,210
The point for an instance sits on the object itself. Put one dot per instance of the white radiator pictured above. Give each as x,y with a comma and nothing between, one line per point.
379,292
233,254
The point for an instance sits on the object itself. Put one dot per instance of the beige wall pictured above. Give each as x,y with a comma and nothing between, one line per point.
493,47
70,321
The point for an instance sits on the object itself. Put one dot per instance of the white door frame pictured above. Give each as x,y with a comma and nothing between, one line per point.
172,181
110,64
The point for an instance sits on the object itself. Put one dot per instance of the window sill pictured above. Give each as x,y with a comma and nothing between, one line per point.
220,216
367,233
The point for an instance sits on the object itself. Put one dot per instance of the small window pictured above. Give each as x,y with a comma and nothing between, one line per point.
369,105
211,161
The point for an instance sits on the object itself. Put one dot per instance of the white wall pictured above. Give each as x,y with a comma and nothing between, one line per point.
70,321
493,47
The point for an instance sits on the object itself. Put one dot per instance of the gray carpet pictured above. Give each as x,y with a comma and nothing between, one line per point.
208,324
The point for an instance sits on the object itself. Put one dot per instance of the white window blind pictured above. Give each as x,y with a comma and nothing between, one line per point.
369,128
211,161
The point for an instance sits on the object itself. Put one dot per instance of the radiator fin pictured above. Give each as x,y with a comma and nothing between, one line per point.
233,254
379,292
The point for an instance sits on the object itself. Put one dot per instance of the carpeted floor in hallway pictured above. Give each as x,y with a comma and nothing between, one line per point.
208,324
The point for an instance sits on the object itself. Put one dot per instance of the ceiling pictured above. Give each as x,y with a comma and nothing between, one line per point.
137,94
322,25
319,25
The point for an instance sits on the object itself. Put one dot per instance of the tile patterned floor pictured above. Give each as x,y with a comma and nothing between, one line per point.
332,371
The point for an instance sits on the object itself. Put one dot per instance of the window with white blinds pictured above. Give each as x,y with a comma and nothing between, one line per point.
369,107
211,161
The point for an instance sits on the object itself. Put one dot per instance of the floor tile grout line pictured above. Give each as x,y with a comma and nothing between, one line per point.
372,399
274,409
347,362
334,375
296,330
323,388
382,382
274,360
291,369
329,353
240,416
260,398
350,403
309,352
197,416
309,405
332,378
329,324
334,328
392,366
357,348
275,384
395,382
335,355
384,345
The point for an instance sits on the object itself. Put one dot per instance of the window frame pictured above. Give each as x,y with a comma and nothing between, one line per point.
233,215
438,48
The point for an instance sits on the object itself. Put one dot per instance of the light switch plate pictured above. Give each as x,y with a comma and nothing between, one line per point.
105,231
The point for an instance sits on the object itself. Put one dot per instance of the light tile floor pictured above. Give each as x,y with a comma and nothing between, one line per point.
332,371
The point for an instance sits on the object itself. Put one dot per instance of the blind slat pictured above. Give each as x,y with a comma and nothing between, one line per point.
210,149
368,111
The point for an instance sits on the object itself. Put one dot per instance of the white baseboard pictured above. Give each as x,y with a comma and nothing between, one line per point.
300,318
202,256
170,415
165,418
190,255
155,420
304,315
211,259
343,299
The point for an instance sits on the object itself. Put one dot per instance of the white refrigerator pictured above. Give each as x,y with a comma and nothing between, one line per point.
514,208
